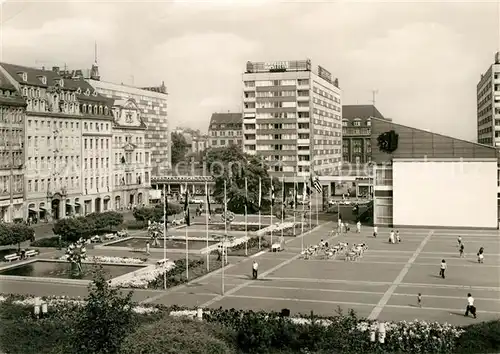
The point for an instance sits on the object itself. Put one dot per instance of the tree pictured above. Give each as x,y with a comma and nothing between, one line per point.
179,148
12,234
72,229
232,165
104,322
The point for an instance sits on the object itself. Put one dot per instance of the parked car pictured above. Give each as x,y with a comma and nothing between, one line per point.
197,201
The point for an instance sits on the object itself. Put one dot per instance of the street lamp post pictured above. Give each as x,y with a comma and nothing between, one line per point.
223,239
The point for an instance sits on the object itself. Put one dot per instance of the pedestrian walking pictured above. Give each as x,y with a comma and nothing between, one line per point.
398,238
375,231
470,306
391,237
459,240
347,229
480,255
148,252
419,300
255,269
461,250
442,269
358,227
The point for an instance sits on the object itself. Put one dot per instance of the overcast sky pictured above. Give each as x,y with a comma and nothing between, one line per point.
423,58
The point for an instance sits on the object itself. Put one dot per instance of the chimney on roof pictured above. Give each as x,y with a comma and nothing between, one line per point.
55,69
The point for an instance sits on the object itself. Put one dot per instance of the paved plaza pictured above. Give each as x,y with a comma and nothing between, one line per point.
383,284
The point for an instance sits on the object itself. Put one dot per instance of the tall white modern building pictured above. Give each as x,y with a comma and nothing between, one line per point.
292,117
488,105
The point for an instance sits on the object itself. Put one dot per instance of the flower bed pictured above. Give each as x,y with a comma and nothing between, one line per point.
177,274
58,301
252,247
238,226
143,278
106,259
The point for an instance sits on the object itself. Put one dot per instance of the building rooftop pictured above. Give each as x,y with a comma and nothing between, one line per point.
362,111
5,83
226,118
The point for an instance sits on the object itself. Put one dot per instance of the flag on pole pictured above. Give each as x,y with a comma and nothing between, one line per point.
295,194
209,209
186,208
260,193
316,184
246,195
272,193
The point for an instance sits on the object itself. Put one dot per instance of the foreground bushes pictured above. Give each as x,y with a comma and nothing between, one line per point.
223,331
155,213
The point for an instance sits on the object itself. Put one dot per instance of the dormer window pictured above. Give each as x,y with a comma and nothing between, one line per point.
43,79
368,122
25,91
23,75
94,93
344,122
87,92
357,122
61,82
79,91
106,111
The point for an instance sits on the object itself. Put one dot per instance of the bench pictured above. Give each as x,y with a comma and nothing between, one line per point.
276,247
31,253
11,257
162,261
109,236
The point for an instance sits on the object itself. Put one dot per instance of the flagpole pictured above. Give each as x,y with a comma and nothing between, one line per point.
246,217
294,203
165,235
317,209
260,202
206,226
282,202
225,236
310,204
303,215
187,233
272,202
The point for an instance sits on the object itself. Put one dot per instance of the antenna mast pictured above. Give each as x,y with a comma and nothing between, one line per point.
374,96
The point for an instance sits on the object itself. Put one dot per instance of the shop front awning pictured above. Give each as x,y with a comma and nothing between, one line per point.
34,210
42,208
107,197
69,204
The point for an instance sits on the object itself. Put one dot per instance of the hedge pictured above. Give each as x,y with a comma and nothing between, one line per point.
231,331
155,213
49,242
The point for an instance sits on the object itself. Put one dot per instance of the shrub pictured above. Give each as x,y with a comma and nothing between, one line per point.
155,213
49,242
179,335
135,225
480,338
253,242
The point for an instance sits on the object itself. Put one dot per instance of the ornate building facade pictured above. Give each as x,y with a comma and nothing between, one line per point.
152,103
131,157
12,115
62,115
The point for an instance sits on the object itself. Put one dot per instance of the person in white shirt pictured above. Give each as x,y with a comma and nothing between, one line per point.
442,268
391,237
375,231
358,227
340,225
255,268
470,306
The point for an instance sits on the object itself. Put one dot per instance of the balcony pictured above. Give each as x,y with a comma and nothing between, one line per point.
250,141
249,99
304,141
130,186
302,98
303,109
303,87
